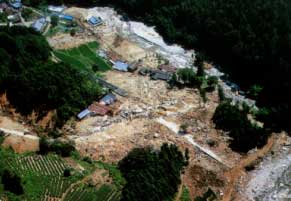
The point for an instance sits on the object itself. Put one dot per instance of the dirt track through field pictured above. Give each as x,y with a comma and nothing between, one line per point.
236,172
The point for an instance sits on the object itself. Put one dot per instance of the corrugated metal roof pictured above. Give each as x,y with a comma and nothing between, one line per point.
121,66
95,21
108,99
66,17
83,114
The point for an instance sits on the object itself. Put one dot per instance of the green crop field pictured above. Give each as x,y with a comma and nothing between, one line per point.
83,57
42,178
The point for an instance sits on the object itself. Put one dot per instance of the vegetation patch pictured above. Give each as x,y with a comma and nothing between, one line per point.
152,175
185,194
83,57
234,120
34,83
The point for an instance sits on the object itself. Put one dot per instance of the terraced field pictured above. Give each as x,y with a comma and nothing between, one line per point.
40,165
44,181
83,57
104,193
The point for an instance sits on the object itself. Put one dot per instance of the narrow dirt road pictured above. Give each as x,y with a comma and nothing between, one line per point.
236,172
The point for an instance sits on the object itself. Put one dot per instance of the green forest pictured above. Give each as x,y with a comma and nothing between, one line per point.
33,82
248,39
152,174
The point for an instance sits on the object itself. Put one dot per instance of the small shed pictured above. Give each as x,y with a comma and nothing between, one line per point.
95,21
84,114
108,99
121,66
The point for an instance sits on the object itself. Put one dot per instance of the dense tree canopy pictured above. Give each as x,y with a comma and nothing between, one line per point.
34,83
152,175
234,120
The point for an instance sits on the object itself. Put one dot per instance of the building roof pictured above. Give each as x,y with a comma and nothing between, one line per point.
57,9
95,21
66,17
98,109
108,99
161,75
16,5
83,114
121,66
39,24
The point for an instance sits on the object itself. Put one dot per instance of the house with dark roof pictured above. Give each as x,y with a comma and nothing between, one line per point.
160,75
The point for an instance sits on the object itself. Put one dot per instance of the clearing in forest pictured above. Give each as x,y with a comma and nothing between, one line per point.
83,57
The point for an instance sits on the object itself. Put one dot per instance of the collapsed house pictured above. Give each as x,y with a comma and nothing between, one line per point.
101,108
112,87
